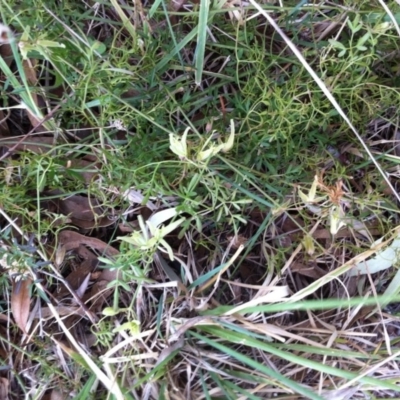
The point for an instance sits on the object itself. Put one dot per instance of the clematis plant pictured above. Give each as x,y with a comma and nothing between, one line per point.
179,146
152,233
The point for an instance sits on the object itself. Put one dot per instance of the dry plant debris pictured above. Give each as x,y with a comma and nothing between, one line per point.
199,200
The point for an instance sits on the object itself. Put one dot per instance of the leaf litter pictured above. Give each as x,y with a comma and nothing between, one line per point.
141,294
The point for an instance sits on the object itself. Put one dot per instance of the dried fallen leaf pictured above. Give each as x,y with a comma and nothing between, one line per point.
56,395
4,130
30,72
45,312
312,270
20,302
4,384
88,169
84,212
35,144
75,241
383,259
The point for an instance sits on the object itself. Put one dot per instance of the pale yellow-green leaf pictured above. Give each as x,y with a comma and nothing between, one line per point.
383,27
311,196
111,311
308,243
160,217
229,144
165,230
313,189
167,248
136,239
336,218
179,145
206,154
132,326
383,259
303,197
50,43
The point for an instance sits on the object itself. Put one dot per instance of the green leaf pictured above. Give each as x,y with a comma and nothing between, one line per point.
201,39
336,44
362,40
258,367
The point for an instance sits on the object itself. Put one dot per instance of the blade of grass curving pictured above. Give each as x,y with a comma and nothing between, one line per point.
171,31
394,287
159,315
125,20
204,278
228,394
22,90
305,305
391,16
327,351
233,389
327,93
296,8
240,329
201,40
86,391
225,267
250,377
238,389
153,8
204,386
234,337
158,371
190,36
258,367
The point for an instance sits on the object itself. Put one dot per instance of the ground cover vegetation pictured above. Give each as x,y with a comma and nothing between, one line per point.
199,200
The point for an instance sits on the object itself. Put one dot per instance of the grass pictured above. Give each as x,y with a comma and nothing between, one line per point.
199,200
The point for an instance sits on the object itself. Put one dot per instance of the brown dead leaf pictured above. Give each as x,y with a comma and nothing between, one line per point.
237,241
30,72
4,385
67,350
55,395
84,212
312,271
35,144
87,168
72,240
76,279
372,228
45,312
6,53
83,272
4,130
124,228
75,241
4,318
20,302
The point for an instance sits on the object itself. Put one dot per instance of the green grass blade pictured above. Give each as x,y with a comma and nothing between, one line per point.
201,40
247,340
204,278
190,36
154,7
307,305
259,367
